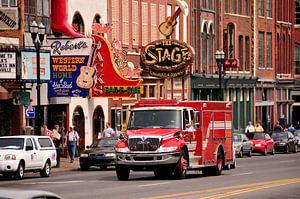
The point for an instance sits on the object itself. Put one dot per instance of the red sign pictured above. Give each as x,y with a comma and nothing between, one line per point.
108,80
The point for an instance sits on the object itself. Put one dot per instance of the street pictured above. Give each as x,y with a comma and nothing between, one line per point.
256,177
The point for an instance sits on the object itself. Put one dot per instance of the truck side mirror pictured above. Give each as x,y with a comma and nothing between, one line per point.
121,136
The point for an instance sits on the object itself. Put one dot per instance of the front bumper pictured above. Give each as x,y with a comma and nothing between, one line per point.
259,149
280,147
97,161
9,166
147,159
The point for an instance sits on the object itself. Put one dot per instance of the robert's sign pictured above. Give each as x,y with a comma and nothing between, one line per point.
167,58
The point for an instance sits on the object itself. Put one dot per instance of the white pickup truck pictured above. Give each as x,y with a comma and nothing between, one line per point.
19,154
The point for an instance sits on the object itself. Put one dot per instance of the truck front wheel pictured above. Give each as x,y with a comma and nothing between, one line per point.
181,167
122,172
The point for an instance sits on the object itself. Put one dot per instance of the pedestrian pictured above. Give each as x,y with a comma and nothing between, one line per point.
259,128
108,131
291,128
297,126
249,128
277,127
72,141
57,140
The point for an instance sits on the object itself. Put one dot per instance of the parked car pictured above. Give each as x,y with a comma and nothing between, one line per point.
242,145
262,143
101,153
297,137
285,142
9,193
19,154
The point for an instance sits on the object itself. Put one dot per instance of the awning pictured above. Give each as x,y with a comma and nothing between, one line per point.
4,94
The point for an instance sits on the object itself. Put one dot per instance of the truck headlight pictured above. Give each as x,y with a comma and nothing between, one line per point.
84,155
110,155
167,149
10,157
122,150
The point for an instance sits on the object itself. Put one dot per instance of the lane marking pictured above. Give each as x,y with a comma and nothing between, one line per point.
155,184
287,161
223,188
58,182
242,174
246,190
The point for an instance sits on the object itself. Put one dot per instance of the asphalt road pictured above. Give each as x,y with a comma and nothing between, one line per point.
256,177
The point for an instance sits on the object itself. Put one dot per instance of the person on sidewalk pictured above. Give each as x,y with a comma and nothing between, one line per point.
259,128
249,128
72,141
108,131
57,140
278,127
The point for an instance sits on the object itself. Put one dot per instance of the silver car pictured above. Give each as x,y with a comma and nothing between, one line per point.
9,193
242,145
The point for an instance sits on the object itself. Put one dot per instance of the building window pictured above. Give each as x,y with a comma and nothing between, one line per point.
269,8
247,53
269,50
239,7
145,92
97,19
226,6
8,3
297,59
246,7
135,23
233,6
116,19
37,10
204,48
240,52
145,26
297,12
78,24
261,7
125,22
261,50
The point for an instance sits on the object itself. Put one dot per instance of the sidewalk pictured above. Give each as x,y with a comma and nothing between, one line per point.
65,165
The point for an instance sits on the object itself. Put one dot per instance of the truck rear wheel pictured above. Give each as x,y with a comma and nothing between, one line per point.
45,172
217,170
122,172
181,167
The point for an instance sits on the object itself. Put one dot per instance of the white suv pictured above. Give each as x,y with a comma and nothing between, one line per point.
19,154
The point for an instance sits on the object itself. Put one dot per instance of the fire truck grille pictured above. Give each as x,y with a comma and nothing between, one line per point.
144,144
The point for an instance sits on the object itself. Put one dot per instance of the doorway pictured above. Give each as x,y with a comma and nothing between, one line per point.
79,126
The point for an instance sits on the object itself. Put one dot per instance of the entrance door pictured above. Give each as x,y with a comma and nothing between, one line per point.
78,123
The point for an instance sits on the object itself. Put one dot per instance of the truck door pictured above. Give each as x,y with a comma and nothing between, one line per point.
39,155
30,154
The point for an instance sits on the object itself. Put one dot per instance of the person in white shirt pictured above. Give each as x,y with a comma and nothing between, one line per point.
72,141
249,128
108,131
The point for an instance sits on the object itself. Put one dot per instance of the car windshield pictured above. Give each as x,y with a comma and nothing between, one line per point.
279,136
297,133
105,143
237,138
258,136
154,119
12,143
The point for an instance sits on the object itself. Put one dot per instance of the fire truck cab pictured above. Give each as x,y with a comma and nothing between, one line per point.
170,137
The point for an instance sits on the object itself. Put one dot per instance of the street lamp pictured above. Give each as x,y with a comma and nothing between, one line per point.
37,36
220,58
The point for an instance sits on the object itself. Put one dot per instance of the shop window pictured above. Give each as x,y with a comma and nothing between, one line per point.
145,92
297,59
297,12
161,93
78,24
152,91
36,10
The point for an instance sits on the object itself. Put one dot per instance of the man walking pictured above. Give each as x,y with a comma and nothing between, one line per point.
72,141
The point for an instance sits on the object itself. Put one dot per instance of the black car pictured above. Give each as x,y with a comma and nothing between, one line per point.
297,137
101,153
285,142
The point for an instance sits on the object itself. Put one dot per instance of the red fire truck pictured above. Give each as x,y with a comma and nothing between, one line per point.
170,137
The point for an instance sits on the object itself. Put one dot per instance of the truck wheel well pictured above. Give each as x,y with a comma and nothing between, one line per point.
186,151
23,162
223,155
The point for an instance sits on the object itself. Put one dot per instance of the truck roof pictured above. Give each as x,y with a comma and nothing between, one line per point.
160,108
25,136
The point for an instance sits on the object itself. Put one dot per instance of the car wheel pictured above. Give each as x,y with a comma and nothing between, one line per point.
296,149
265,151
19,174
250,153
122,172
103,167
273,151
45,172
84,167
287,149
181,167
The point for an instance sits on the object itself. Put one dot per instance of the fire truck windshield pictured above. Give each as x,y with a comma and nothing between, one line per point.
154,119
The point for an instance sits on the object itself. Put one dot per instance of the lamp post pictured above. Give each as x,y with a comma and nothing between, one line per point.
37,36
220,58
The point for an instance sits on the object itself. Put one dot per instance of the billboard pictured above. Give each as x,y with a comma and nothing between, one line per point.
8,65
9,18
69,58
29,65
